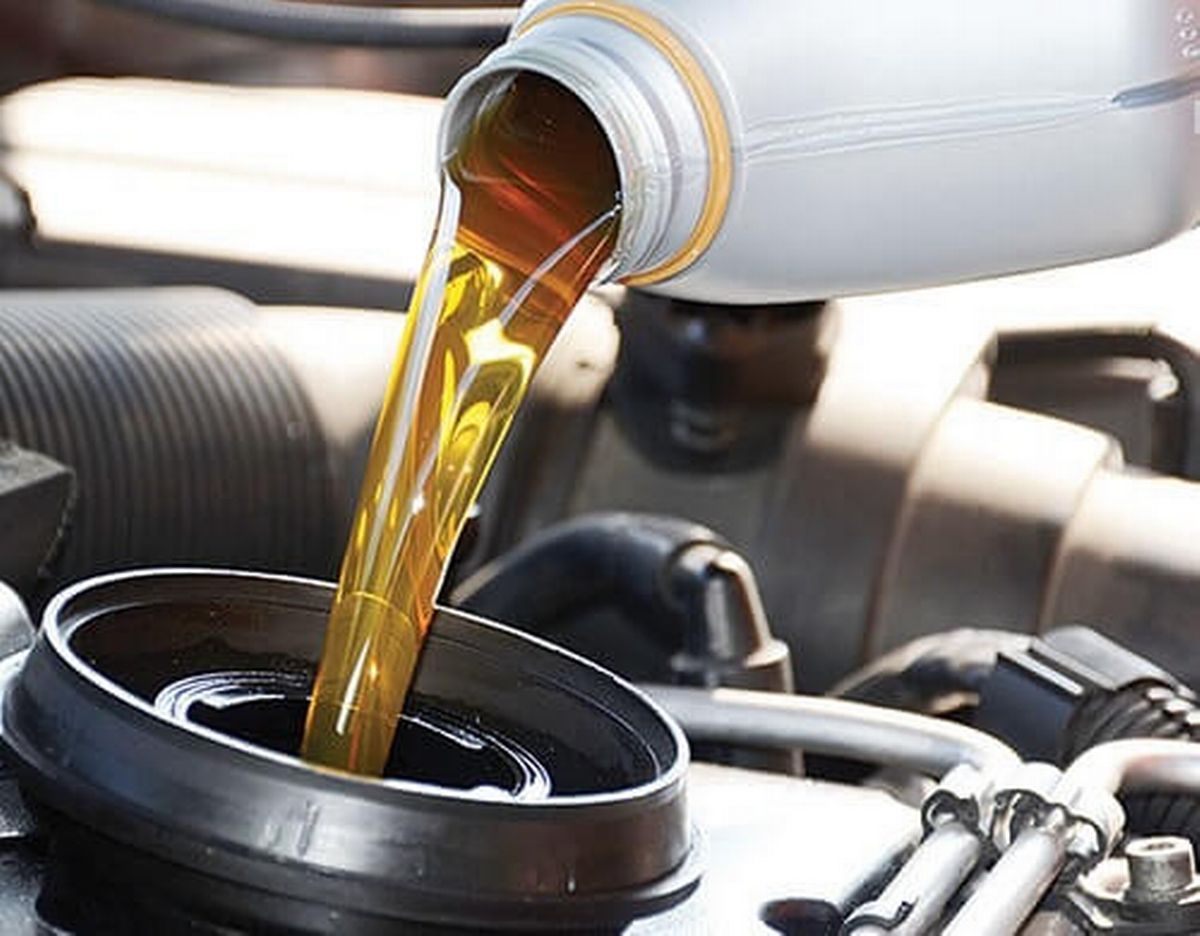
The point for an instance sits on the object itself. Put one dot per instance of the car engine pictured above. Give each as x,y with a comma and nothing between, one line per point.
914,574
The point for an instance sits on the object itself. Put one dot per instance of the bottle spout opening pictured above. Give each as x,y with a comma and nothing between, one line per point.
664,121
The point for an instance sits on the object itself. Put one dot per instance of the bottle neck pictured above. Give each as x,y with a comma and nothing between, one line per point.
647,110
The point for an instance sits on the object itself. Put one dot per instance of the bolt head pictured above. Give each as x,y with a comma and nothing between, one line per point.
1160,868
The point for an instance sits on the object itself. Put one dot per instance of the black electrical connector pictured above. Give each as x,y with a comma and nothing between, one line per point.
1044,699
1074,689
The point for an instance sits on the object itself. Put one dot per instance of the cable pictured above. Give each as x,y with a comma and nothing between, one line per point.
330,24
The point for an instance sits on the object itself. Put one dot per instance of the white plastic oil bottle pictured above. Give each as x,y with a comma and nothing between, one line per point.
779,150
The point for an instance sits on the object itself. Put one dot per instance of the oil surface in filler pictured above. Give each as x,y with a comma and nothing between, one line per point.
530,203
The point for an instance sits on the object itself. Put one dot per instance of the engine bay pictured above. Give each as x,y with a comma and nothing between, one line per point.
913,573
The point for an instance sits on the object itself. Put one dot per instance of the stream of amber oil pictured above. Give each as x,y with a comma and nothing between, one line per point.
530,203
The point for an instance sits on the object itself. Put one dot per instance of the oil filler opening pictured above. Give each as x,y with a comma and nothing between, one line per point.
201,678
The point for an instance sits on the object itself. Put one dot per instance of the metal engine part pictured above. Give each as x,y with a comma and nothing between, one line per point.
1011,456
742,816
868,458
1152,887
600,839
899,499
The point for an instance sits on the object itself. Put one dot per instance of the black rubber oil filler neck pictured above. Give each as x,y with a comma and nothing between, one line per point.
157,715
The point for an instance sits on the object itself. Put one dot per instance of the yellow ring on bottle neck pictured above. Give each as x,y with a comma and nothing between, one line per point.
708,107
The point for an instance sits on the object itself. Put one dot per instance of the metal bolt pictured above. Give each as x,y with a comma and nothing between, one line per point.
1159,867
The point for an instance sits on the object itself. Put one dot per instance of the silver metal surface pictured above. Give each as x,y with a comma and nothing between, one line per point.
770,839
917,896
1137,765
832,726
1160,867
1013,888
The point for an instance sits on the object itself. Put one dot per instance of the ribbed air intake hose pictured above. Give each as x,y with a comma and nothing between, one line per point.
192,439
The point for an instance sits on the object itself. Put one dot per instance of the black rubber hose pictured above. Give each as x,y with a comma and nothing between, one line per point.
604,560
331,24
665,576
1150,710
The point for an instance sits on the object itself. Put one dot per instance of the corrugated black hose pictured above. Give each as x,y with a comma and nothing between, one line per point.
1073,689
1147,710
1051,698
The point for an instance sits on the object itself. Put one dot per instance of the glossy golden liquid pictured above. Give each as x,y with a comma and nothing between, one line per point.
530,202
